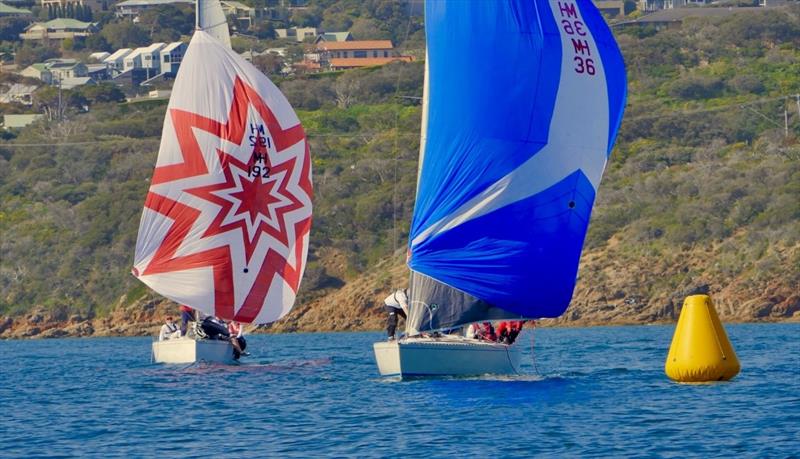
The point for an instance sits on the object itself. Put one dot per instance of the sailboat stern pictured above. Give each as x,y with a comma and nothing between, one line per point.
188,350
447,356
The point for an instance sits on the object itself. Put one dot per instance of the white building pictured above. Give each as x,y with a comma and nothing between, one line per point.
146,57
297,33
171,57
116,61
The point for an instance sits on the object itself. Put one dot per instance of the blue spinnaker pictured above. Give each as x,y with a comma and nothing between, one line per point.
525,98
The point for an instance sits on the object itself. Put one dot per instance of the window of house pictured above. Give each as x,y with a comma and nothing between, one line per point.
166,58
361,54
386,54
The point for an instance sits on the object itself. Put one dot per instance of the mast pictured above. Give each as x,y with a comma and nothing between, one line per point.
197,20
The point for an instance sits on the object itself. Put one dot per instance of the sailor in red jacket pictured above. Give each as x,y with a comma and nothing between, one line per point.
488,332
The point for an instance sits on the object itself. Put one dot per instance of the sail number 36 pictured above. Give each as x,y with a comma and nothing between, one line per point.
584,65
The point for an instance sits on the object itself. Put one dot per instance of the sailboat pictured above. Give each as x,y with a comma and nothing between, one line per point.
522,103
226,221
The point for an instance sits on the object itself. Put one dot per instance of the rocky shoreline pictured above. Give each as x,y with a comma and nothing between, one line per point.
612,290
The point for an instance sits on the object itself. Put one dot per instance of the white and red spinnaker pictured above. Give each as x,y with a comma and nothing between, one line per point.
226,221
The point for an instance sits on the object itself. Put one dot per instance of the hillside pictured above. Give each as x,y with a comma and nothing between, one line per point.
703,188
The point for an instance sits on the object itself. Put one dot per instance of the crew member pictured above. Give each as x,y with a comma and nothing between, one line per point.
395,305
169,330
187,315
237,340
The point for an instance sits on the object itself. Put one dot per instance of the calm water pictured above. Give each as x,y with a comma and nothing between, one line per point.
591,392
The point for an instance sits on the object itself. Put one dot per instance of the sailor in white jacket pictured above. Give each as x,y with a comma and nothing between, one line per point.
169,330
395,305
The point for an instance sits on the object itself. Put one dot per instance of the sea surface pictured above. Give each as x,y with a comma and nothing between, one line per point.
586,392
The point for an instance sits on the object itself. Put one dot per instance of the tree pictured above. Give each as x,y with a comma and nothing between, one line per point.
269,64
347,87
101,93
97,42
11,27
55,103
30,54
167,22
125,35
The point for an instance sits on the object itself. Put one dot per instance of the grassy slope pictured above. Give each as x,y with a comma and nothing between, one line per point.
699,189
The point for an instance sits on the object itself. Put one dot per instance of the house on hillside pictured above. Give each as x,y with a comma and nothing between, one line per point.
298,34
61,69
116,61
38,71
98,72
19,93
146,57
610,7
58,29
171,57
356,53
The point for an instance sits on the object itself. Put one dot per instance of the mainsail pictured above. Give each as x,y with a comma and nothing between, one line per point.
226,221
210,18
524,100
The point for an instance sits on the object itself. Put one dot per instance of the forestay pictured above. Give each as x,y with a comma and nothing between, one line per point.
524,100
226,221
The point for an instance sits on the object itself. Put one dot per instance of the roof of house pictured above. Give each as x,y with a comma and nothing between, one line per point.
67,23
73,82
145,50
6,9
100,55
354,45
19,89
118,54
20,120
367,62
335,36
172,47
92,68
61,63
39,66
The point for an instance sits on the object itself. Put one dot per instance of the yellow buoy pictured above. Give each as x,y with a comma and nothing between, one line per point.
700,349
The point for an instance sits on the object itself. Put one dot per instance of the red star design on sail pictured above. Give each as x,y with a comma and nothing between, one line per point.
263,201
251,205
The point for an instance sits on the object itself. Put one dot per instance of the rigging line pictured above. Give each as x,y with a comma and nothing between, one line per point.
397,143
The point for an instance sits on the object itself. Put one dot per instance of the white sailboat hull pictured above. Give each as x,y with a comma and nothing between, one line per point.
454,356
188,350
